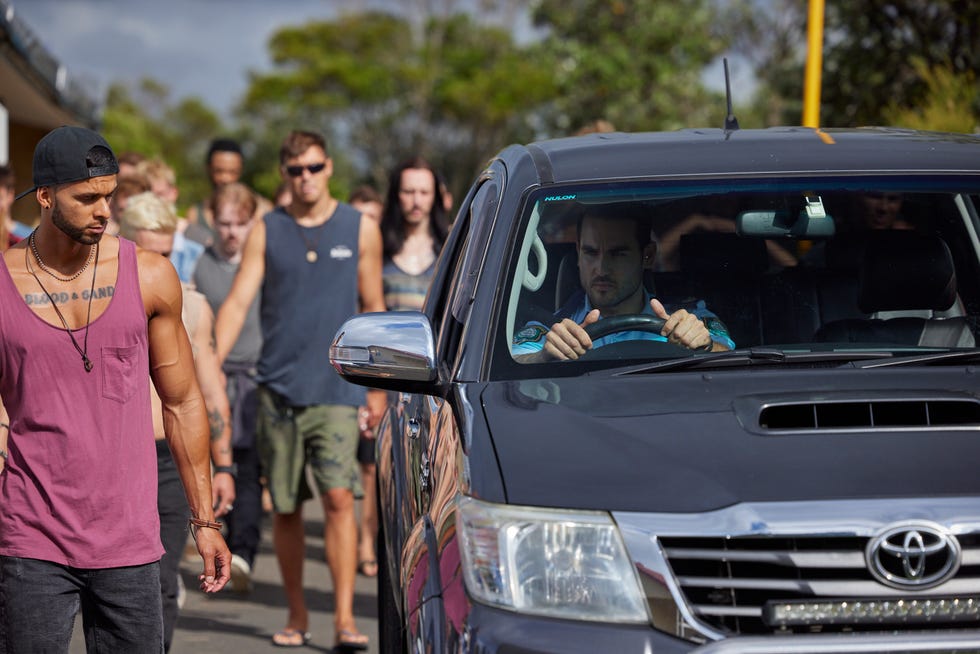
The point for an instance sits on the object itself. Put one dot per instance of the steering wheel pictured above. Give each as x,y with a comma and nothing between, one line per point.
634,322
632,349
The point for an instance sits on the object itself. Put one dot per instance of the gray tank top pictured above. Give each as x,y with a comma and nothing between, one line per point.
304,304
213,276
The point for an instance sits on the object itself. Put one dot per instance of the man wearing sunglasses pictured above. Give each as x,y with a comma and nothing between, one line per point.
316,262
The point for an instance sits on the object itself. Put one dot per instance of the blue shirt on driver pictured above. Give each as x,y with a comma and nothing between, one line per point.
531,337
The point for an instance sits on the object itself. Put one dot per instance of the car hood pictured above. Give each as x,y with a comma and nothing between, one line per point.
690,442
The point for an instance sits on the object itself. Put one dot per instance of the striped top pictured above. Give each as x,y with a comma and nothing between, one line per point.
404,291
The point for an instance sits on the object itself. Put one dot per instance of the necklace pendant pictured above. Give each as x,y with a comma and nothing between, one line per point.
87,363
311,256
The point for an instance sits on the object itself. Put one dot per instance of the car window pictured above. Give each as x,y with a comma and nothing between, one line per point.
799,265
483,212
465,262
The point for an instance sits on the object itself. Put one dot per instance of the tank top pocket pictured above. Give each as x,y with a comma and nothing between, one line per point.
120,367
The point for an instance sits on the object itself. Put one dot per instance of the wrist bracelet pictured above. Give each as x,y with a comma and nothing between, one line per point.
231,470
3,454
3,424
196,523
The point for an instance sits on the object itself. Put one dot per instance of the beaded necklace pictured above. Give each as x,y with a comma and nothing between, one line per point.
40,262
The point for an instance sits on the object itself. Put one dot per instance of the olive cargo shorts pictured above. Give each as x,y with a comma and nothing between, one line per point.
290,437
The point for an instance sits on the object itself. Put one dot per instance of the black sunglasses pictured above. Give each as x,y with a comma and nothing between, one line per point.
296,171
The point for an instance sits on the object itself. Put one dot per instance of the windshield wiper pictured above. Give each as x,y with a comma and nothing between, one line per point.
749,356
945,358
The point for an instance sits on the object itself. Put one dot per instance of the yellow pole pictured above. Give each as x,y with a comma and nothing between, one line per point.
814,65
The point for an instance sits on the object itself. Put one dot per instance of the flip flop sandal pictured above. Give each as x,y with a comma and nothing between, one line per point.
349,640
367,568
290,637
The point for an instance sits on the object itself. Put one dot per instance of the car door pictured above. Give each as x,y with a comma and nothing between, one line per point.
431,434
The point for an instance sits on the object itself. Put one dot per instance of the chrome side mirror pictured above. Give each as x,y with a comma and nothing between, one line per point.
374,348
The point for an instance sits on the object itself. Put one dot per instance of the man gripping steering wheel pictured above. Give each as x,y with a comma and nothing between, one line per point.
612,253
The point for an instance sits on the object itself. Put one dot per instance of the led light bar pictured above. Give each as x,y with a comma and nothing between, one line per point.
873,611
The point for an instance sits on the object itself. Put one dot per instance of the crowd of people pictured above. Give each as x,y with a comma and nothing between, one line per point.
225,371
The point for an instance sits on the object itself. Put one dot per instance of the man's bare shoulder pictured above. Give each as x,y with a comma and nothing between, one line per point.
369,232
158,279
153,264
191,294
15,256
194,300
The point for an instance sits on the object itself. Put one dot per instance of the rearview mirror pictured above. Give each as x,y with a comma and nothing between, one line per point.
811,222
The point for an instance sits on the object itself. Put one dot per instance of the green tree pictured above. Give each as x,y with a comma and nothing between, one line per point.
127,122
771,35
949,104
383,88
872,48
144,119
637,64
878,56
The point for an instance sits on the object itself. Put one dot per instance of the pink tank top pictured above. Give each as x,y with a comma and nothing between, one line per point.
80,484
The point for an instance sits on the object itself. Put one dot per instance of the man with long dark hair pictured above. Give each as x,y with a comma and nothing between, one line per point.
414,227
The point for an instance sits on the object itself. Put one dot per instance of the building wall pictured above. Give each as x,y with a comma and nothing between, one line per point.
38,95
23,138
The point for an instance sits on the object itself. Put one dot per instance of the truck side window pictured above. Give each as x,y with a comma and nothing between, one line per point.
466,266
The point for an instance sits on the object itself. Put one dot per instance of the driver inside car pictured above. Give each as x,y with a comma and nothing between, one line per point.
613,251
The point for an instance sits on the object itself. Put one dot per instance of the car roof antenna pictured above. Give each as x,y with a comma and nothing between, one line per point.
731,122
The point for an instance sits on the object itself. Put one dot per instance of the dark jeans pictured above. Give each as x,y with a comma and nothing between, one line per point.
174,514
244,522
39,601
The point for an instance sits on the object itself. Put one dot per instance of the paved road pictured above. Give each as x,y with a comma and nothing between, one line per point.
244,624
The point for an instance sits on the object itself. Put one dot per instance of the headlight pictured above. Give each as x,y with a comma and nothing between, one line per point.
563,564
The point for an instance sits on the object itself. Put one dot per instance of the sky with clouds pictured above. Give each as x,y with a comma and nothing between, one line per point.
203,48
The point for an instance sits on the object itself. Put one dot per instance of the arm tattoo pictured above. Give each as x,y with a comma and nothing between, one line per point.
216,423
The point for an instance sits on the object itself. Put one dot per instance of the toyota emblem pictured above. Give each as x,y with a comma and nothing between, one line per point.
913,555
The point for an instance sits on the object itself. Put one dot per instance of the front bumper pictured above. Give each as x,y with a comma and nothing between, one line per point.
489,630
494,631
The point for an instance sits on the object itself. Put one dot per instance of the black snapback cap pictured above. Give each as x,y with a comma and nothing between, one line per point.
71,154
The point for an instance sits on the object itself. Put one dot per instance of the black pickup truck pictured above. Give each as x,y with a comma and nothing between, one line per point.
710,390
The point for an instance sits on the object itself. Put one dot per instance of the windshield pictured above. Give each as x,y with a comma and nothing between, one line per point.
650,272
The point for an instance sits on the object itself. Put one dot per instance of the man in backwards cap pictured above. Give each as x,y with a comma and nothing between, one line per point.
79,327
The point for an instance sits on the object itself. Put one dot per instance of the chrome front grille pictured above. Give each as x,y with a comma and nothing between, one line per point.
727,581
744,568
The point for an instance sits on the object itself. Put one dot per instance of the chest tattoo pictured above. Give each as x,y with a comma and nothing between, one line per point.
66,297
